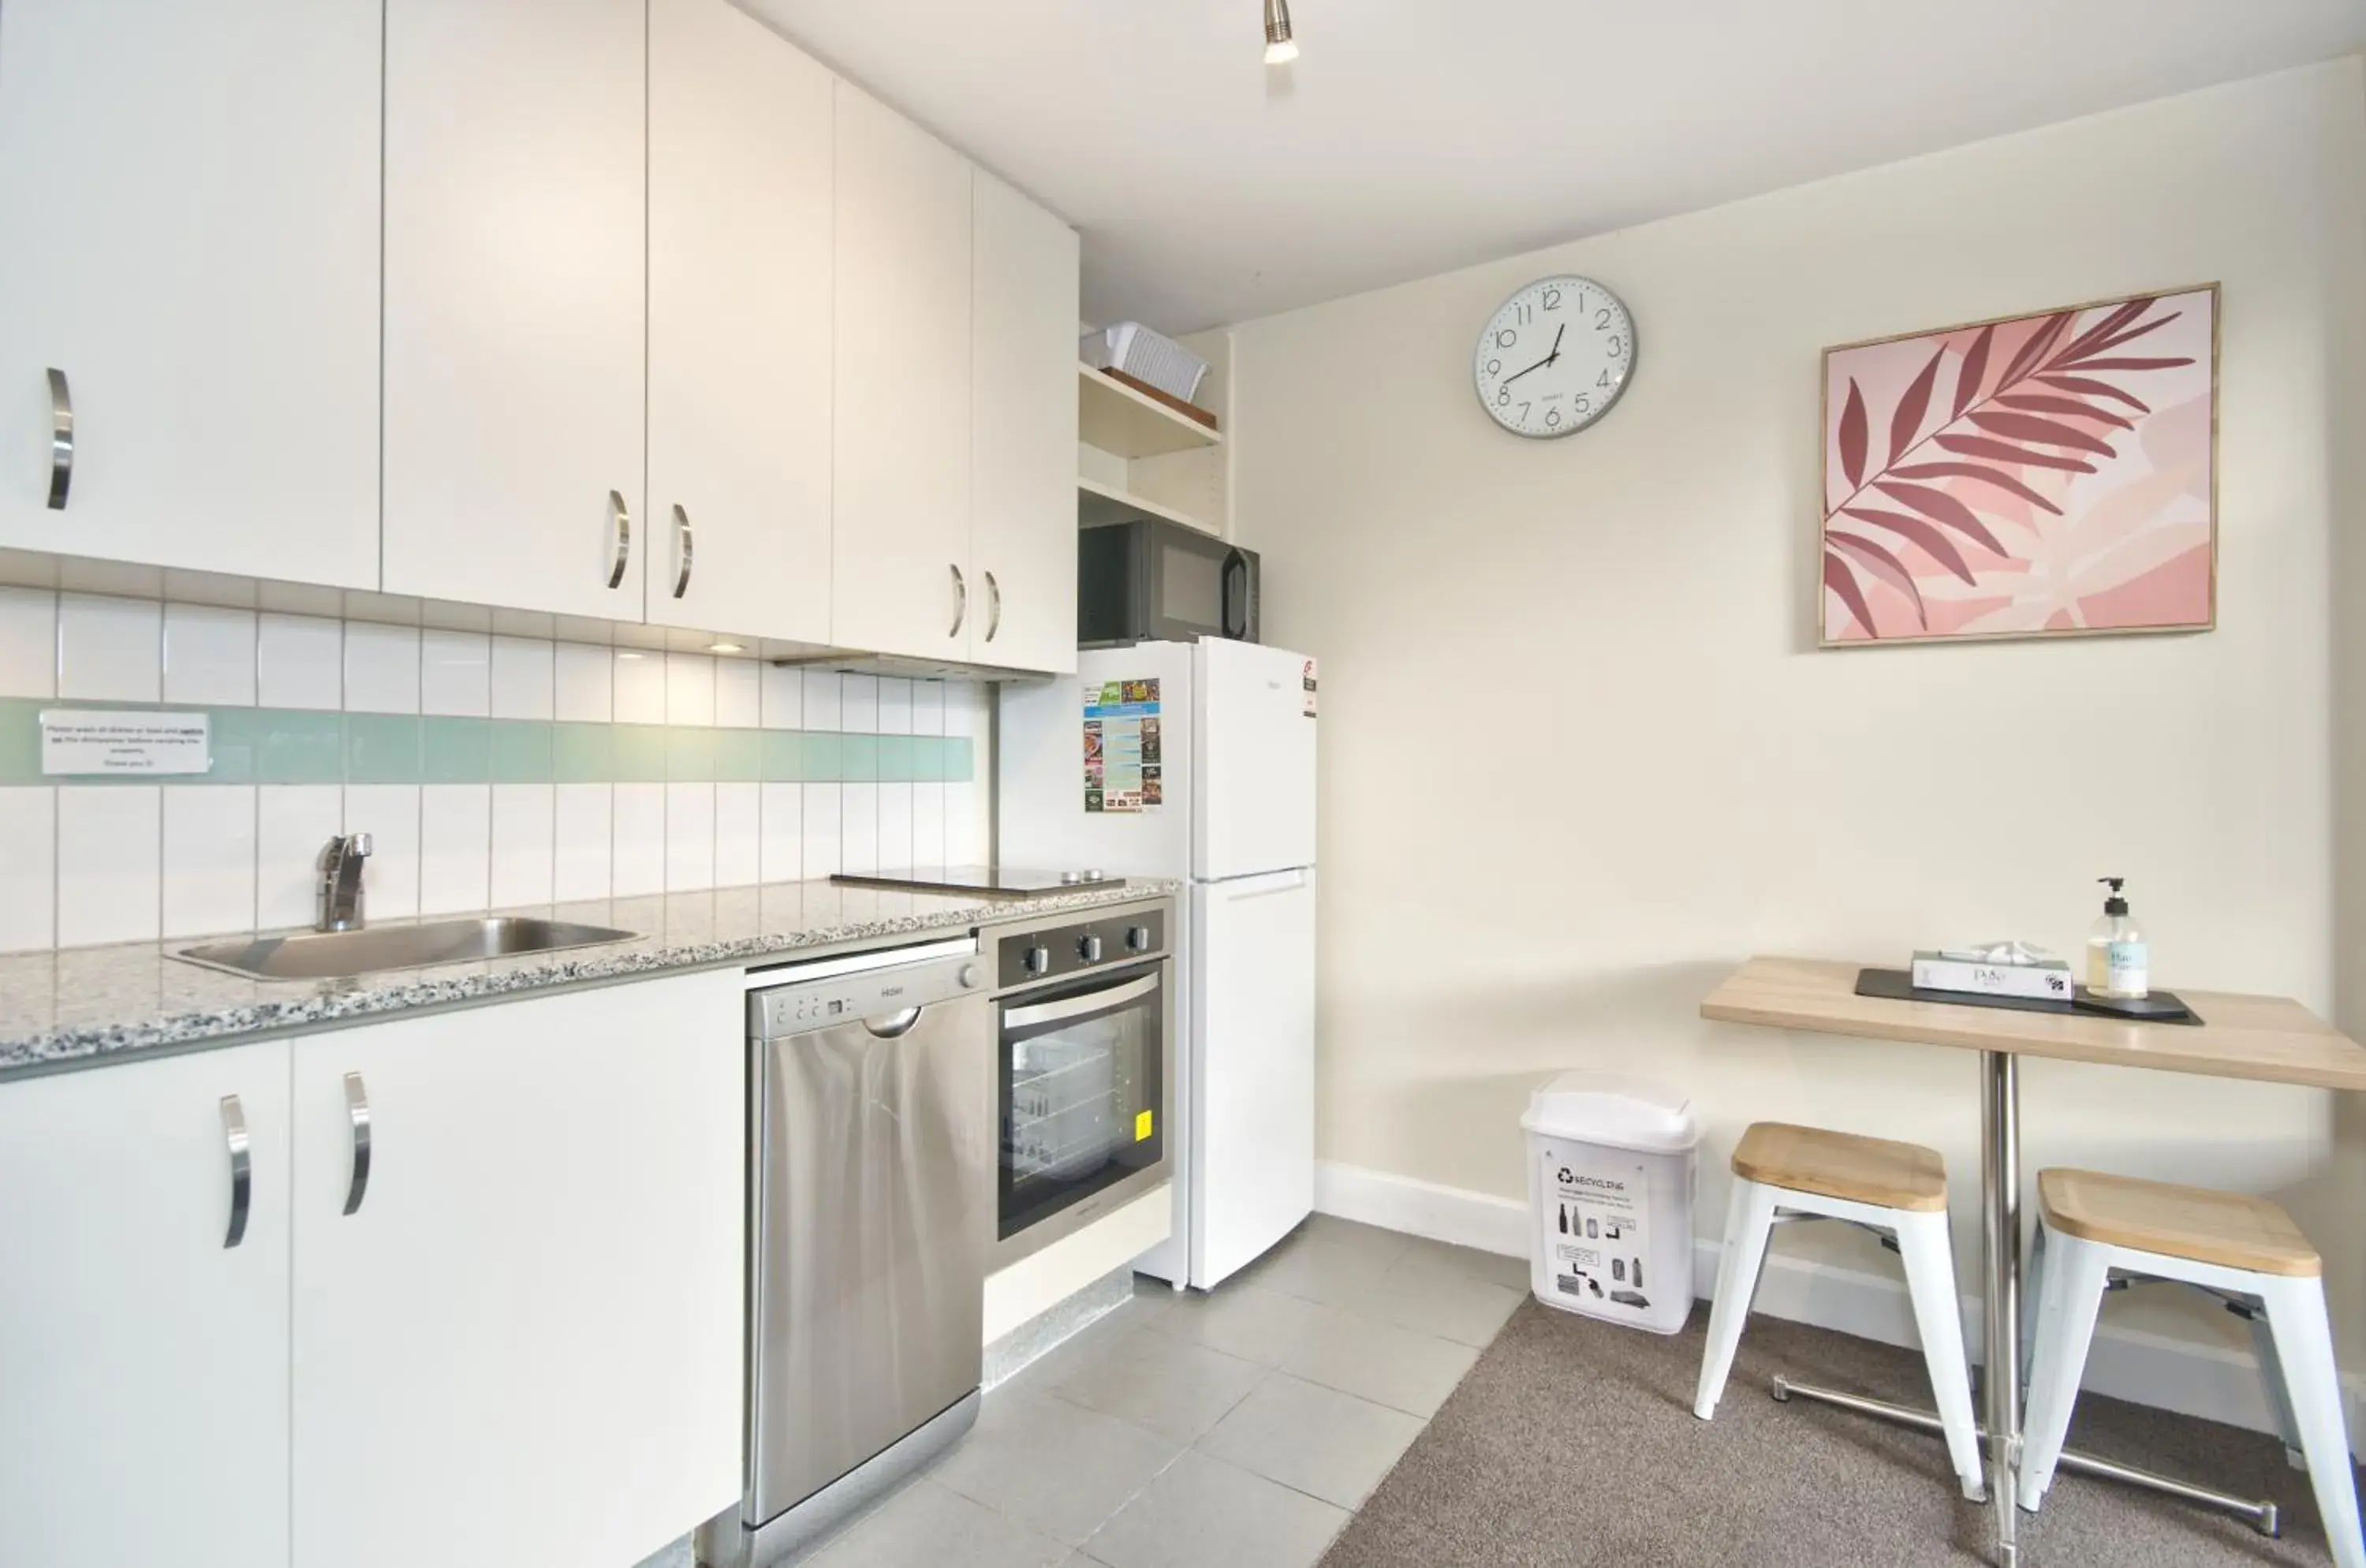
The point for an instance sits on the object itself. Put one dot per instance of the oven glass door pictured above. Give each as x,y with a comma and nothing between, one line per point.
1082,1083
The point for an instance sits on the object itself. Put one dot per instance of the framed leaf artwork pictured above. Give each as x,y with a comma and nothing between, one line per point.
2052,475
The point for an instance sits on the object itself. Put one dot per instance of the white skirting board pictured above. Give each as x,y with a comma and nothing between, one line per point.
2145,1369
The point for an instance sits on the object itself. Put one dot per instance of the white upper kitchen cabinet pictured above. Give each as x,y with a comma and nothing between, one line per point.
189,307
1023,449
143,1333
739,326
518,1320
515,305
900,555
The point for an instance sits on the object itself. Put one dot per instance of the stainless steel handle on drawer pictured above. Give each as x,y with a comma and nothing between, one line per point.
241,1169
358,1108
62,439
993,606
1105,1000
961,602
623,522
688,542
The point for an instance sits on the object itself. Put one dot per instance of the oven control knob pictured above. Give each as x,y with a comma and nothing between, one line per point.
1089,949
1039,961
1137,939
968,976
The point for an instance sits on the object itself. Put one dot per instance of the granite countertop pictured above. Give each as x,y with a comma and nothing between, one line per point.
88,1007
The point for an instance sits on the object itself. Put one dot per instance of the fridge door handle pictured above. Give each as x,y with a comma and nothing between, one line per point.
1239,888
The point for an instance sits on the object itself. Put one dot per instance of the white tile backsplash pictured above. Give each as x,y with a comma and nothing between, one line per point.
524,833
208,878
638,866
389,815
738,702
455,833
640,686
92,864
209,655
29,643
29,862
292,822
584,679
381,668
111,855
581,843
522,678
298,662
456,673
110,650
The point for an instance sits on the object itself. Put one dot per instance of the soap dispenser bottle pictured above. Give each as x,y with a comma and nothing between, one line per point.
2118,965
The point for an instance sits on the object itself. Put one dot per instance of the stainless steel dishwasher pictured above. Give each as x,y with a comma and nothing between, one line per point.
870,1162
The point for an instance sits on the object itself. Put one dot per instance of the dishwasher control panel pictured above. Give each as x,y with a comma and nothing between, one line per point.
798,1006
1056,952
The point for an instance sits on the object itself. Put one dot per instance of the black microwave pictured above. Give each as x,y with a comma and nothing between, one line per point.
1150,580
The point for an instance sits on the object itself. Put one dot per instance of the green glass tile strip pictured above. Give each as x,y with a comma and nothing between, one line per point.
302,746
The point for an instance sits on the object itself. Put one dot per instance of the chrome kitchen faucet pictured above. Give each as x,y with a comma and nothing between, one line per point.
341,883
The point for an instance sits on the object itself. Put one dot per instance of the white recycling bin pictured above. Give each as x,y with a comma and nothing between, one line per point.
1613,1166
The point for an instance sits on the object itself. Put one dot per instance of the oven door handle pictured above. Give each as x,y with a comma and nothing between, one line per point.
1089,1004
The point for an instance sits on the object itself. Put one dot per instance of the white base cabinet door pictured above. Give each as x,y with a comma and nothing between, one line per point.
192,197
900,556
143,1363
523,1348
739,326
516,201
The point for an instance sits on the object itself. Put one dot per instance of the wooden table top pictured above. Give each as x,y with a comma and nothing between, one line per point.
2272,1039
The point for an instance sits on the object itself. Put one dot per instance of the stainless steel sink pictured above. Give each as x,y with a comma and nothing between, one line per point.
342,955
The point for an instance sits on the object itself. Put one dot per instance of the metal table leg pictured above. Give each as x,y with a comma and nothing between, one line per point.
2001,1208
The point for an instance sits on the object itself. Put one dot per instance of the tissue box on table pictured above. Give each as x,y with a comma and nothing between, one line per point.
2004,970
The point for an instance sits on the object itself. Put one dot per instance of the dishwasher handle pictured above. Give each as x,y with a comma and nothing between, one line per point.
895,1025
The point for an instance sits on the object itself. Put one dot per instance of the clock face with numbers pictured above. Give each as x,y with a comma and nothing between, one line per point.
1555,357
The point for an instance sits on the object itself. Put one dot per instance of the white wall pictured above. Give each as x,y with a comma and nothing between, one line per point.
1582,755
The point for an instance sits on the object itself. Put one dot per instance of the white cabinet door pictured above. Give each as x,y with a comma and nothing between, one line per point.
524,1348
739,326
516,193
192,196
143,1364
1023,463
900,556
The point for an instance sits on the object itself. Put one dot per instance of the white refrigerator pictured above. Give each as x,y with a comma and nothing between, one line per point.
1196,760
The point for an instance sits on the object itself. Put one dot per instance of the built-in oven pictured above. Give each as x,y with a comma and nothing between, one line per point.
1084,1019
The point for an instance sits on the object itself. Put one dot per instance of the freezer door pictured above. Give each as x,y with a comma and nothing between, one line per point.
1252,1125
1044,763
1253,772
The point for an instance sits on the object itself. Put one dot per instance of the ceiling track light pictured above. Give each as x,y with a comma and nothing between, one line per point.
1280,48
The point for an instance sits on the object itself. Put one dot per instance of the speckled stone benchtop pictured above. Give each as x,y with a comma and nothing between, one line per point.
94,1006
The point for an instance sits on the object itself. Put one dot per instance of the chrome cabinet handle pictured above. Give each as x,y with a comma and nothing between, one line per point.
961,602
993,606
688,545
357,1109
241,1169
62,439
623,520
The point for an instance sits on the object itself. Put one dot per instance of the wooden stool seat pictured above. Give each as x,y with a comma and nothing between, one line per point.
1843,1165
2232,1230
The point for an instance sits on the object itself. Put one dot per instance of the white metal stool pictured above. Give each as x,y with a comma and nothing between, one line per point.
1782,1172
2245,1251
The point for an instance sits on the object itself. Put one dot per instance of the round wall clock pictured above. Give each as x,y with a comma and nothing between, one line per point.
1555,357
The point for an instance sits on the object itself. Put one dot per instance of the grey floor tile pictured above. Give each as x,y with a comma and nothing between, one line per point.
1338,1266
1392,1366
1491,1266
1244,1320
1203,1513
1053,1466
1419,1294
926,1527
1153,1380
1320,1441
1055,1364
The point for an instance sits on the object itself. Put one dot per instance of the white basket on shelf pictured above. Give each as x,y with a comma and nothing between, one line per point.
1149,358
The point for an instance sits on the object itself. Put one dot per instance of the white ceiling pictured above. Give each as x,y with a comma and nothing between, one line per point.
1417,135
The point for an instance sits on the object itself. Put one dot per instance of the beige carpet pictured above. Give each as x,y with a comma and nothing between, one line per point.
1573,1442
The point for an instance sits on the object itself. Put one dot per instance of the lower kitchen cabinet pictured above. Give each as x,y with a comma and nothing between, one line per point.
143,1362
518,1339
